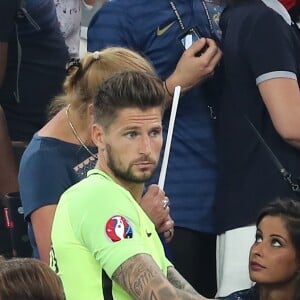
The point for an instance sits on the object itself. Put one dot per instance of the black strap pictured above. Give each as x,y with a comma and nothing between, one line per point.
106,286
287,176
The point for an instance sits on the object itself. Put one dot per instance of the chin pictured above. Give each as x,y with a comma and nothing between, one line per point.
261,279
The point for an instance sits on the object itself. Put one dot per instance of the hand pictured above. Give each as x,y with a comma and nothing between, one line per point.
192,69
168,229
153,204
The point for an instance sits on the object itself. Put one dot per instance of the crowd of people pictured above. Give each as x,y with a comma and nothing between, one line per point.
94,129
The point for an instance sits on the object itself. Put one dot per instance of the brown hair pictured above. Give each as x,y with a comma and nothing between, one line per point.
28,279
85,75
128,89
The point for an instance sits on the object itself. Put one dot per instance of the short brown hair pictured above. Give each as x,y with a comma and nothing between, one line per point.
28,279
131,89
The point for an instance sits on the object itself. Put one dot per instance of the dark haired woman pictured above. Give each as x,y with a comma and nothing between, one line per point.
274,261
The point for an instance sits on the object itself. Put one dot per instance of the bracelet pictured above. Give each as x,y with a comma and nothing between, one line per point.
166,88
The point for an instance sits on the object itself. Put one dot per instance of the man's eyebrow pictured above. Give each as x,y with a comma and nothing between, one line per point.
131,127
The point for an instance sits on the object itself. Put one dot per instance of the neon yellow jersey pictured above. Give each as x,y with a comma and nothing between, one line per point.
97,226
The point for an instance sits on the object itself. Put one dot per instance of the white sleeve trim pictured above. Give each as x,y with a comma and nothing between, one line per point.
279,8
275,74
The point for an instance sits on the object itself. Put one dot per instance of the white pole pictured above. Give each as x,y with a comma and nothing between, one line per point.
164,166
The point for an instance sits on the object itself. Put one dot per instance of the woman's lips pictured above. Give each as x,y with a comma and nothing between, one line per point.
255,266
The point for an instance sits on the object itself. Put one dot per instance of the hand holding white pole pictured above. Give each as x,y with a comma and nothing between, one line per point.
163,170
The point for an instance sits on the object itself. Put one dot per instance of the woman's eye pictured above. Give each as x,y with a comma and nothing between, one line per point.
276,243
258,238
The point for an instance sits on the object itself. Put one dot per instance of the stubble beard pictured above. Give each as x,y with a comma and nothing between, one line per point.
126,175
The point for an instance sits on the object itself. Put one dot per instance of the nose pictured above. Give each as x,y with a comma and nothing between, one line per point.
145,147
257,249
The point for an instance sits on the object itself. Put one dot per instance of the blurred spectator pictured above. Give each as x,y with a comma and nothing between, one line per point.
8,164
28,279
33,56
69,17
293,7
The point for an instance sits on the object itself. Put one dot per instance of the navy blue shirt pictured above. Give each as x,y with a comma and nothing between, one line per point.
258,44
49,167
191,175
37,56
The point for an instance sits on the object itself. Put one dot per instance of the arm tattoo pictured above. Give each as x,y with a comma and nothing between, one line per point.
142,279
135,274
179,282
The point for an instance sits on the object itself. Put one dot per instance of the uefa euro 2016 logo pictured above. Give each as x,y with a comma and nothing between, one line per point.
118,228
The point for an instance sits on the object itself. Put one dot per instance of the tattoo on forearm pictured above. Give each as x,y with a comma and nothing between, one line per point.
133,275
179,282
142,279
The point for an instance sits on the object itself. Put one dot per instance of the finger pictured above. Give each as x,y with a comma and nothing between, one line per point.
166,225
169,235
216,59
196,47
211,51
165,202
153,190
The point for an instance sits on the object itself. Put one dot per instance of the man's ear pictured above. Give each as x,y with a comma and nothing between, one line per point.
98,136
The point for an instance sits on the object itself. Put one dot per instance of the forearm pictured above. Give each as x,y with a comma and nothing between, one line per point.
142,279
179,282
42,220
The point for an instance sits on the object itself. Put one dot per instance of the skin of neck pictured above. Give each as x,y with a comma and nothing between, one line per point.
82,124
284,291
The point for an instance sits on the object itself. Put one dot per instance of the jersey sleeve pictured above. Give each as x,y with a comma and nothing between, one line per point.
8,9
269,48
110,227
111,26
43,177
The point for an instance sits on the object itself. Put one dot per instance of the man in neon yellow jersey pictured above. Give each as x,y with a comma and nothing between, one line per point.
99,226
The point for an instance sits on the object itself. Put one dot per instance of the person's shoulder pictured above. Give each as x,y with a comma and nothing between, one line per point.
47,145
258,8
98,187
252,15
128,7
44,152
116,4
